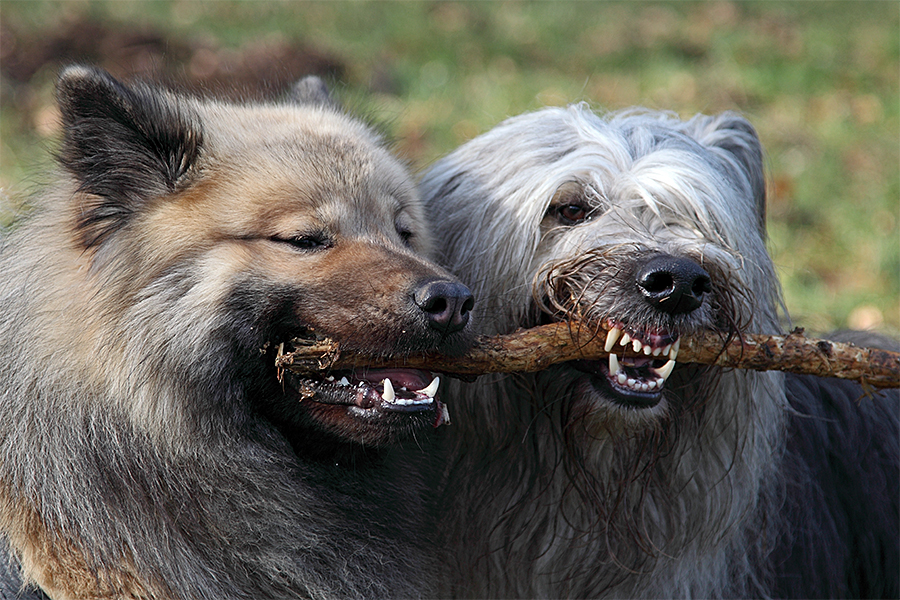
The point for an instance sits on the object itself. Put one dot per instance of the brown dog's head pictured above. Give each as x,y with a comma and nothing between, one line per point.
209,233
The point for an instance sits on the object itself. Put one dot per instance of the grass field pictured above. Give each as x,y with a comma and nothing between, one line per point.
820,80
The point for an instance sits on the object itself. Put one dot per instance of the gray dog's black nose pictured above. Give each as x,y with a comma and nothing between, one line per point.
673,285
446,304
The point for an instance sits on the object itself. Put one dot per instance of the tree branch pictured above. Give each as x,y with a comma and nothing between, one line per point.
531,350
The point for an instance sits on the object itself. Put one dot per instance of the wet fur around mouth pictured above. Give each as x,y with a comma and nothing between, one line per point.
567,289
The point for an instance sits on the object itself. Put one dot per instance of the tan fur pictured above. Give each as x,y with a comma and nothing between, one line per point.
148,448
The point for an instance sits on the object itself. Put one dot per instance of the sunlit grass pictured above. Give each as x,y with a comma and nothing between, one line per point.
820,81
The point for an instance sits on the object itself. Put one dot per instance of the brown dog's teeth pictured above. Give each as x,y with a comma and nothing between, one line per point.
388,394
432,388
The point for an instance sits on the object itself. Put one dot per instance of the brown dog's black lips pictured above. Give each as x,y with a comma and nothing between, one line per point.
397,390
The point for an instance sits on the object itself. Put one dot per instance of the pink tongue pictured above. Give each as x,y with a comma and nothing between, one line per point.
411,379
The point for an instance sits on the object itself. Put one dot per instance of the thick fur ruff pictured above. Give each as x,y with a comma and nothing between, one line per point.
593,479
148,446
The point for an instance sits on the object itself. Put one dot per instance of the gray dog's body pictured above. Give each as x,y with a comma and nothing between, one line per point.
628,478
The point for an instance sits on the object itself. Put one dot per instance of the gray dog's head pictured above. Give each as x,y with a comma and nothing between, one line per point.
652,225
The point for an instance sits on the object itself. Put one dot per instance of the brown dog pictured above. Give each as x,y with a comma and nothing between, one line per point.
148,448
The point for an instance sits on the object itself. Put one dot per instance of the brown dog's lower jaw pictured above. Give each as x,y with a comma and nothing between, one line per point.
372,391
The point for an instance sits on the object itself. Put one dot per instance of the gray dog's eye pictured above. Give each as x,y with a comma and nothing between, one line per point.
406,235
572,213
570,204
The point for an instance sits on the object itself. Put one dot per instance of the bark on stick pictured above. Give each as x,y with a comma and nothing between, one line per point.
531,350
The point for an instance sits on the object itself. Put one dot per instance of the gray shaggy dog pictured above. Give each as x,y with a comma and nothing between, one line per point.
646,478
149,448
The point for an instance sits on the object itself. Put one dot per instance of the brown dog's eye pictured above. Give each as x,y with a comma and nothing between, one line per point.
307,243
406,235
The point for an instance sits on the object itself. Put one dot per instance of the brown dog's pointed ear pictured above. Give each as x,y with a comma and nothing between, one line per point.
312,90
122,144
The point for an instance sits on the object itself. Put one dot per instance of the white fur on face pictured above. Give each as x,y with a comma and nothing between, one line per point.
681,187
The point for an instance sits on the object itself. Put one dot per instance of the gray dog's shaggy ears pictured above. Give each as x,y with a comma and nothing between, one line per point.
735,135
312,90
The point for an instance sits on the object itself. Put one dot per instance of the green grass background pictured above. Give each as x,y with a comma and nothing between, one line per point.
819,80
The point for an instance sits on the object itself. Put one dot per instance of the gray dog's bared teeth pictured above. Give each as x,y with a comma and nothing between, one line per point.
665,370
611,338
616,334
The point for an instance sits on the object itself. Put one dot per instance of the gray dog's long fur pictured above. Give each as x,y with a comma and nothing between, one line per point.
736,483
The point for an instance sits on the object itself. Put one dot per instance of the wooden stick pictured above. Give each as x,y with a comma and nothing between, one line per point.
531,350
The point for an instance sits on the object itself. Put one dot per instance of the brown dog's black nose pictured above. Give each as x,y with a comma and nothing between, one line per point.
446,304
673,285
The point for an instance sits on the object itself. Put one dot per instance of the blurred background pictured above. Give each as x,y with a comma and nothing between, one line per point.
820,80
